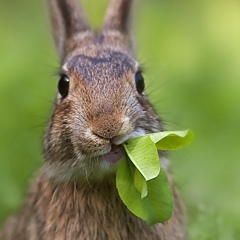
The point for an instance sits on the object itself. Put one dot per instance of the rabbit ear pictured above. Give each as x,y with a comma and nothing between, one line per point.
118,16
68,20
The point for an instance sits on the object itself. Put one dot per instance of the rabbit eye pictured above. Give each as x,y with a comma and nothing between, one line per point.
139,80
63,86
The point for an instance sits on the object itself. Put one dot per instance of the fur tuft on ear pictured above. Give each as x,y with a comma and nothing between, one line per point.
117,16
68,20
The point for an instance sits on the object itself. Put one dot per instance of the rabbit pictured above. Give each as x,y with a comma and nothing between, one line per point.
100,104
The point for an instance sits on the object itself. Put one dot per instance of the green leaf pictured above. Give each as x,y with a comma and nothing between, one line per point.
157,206
172,140
140,183
142,186
143,154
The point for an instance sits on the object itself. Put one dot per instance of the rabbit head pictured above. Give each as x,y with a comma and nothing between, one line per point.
101,100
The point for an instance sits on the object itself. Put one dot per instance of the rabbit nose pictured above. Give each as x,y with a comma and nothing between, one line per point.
106,126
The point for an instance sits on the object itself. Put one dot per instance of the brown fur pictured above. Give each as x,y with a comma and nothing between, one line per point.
74,195
83,211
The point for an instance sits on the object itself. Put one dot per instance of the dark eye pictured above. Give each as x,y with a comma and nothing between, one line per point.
63,86
140,85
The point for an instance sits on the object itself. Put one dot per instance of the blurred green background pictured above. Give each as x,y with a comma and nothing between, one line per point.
190,51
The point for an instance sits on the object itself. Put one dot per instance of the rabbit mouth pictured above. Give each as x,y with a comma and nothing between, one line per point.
115,154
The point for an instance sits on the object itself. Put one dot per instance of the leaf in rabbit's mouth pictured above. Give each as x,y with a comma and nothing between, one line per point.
142,185
115,155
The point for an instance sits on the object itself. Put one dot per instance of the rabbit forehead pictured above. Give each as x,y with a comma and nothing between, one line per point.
101,64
